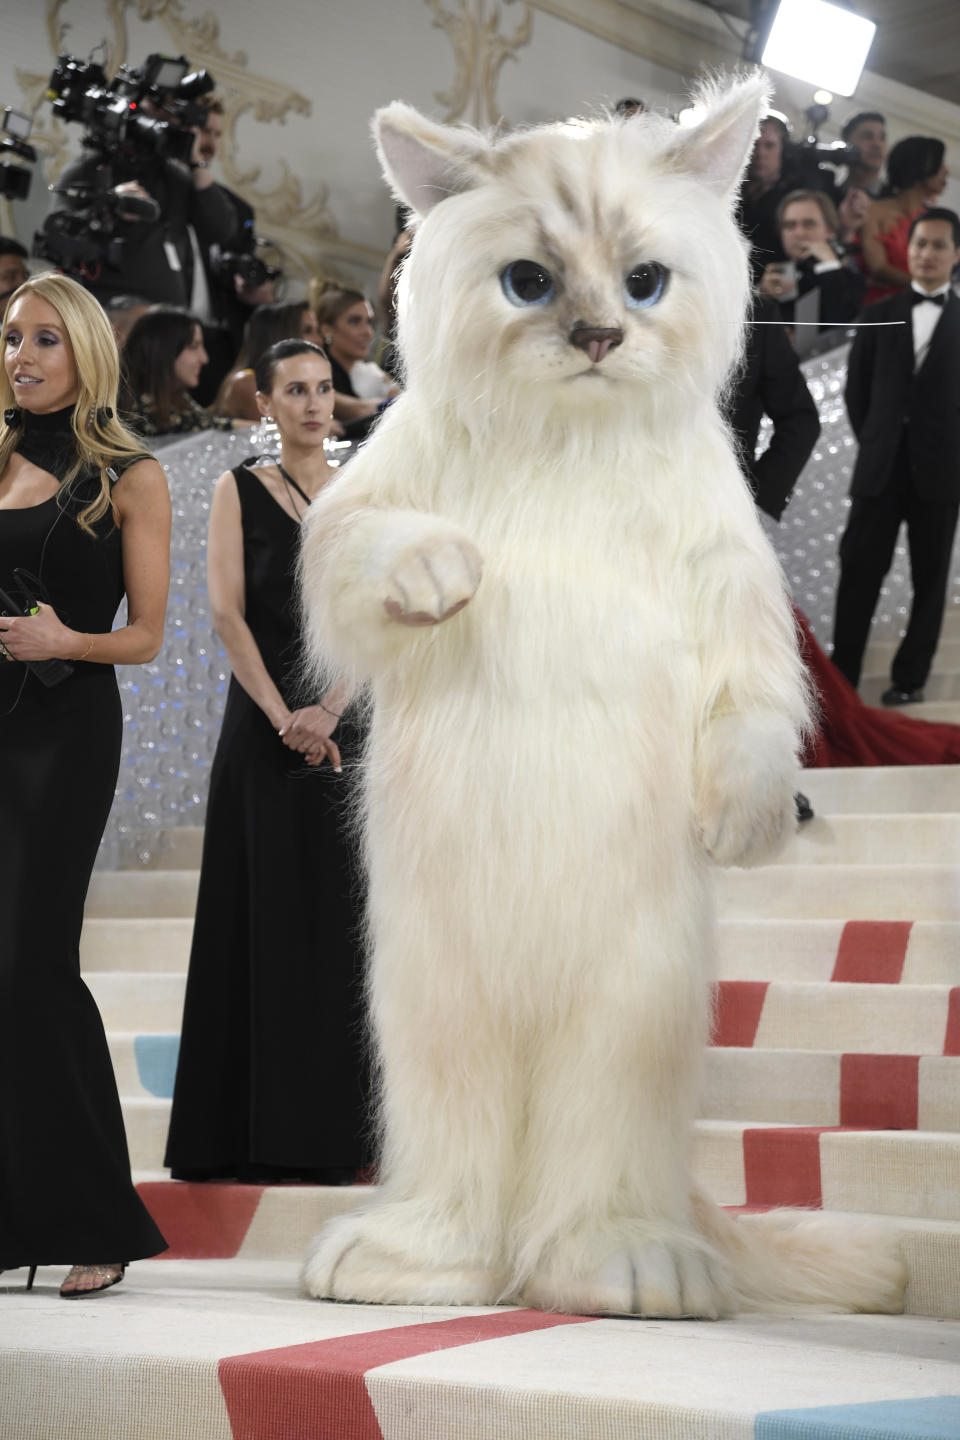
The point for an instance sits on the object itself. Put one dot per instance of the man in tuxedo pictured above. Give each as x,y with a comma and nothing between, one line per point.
902,398
823,288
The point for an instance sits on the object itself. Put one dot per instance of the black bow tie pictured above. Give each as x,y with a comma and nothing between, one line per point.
917,299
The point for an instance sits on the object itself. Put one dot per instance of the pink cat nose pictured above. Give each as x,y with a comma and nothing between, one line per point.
595,339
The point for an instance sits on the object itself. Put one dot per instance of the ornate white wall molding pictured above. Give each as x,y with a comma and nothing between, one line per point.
480,49
680,37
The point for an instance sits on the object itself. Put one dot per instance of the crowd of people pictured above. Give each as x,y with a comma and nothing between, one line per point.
882,257
163,345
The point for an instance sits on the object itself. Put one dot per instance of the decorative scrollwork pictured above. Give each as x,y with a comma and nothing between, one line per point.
479,53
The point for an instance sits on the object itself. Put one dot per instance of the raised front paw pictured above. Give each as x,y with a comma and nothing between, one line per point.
747,776
432,579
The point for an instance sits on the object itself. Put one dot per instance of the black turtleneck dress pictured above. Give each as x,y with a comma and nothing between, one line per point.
66,1195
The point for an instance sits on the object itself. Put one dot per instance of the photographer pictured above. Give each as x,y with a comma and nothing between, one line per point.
229,282
135,198
769,179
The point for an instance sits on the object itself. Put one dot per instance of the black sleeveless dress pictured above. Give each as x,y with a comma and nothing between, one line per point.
271,1081
65,1190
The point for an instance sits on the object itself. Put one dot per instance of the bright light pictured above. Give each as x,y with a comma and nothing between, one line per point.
692,115
823,97
819,43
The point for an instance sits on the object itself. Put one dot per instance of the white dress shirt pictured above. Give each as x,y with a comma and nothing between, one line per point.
925,319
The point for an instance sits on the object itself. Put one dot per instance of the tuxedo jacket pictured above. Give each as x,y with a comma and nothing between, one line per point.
841,293
888,400
770,382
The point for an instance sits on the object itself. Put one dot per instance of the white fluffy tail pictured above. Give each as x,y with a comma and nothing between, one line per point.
787,1260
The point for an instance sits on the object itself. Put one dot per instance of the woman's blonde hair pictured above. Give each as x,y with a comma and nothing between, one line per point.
329,299
100,441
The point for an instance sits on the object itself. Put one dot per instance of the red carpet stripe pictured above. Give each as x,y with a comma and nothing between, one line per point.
951,1041
201,1222
879,1092
782,1166
317,1391
738,1007
872,952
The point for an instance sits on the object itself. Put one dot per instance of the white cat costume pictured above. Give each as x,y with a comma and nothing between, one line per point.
553,770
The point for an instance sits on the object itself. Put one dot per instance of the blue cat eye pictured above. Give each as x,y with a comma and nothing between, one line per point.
645,285
524,282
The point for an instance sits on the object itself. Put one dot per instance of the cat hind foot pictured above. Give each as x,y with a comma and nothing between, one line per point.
654,1279
349,1261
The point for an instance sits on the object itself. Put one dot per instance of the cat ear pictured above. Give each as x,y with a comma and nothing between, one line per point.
423,162
719,145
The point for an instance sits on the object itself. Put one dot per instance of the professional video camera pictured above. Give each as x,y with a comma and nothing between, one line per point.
810,157
117,124
135,122
246,266
15,179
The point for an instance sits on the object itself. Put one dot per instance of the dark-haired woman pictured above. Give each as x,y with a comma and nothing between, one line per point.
268,325
270,1080
917,176
162,360
84,518
362,389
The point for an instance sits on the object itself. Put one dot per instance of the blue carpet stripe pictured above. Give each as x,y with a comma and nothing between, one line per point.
934,1417
156,1057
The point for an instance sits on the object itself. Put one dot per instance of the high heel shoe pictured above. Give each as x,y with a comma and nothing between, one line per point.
30,1277
106,1271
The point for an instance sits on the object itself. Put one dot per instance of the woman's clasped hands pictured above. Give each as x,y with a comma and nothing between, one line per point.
309,731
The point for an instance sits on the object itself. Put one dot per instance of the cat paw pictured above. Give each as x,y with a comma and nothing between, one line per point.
345,1263
654,1279
747,779
432,579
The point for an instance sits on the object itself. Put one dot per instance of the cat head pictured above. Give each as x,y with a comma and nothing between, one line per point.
573,271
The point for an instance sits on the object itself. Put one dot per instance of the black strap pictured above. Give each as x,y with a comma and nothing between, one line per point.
290,481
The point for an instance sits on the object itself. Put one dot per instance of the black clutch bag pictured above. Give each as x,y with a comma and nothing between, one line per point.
30,592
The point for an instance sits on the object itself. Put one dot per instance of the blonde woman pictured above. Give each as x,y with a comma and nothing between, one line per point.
84,519
361,388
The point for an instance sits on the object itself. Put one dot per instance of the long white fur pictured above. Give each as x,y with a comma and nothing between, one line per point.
603,697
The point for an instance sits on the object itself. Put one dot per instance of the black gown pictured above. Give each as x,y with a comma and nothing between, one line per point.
66,1195
271,1079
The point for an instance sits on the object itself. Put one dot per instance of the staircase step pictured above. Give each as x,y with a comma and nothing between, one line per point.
223,1348
145,1064
889,1172
885,789
917,839
150,1003
879,657
145,893
941,711
803,1015
157,944
926,952
822,1087
840,892
252,1222
941,689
